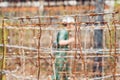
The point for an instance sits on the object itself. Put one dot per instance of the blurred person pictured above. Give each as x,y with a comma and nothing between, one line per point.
98,38
63,41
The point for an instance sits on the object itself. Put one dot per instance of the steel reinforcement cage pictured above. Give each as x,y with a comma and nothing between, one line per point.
27,53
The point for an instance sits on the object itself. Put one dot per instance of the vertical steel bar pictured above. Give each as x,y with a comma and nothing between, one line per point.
75,54
21,51
39,43
4,49
115,46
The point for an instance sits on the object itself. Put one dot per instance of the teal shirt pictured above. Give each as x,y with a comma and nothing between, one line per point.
60,62
62,35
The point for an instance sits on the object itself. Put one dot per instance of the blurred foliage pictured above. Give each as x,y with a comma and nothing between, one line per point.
116,3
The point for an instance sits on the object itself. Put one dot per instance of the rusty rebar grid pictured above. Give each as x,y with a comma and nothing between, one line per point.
79,56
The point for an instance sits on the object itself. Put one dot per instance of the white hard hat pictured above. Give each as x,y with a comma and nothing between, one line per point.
68,19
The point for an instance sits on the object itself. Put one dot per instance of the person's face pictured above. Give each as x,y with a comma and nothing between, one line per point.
70,26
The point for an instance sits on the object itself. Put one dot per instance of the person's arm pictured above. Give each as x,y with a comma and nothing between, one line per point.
62,41
66,42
